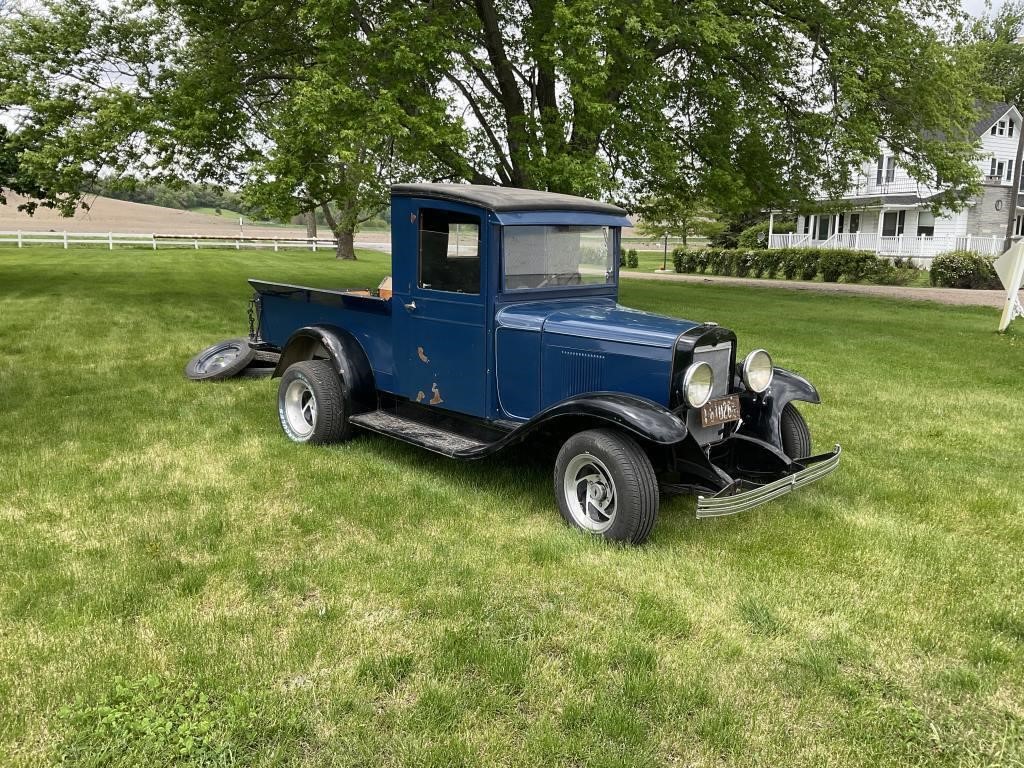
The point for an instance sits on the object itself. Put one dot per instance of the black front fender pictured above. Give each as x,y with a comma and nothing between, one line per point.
640,416
344,351
762,415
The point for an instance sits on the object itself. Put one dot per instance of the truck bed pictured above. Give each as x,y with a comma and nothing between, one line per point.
285,308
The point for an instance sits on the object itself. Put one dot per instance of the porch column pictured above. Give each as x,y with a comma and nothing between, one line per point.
878,237
771,227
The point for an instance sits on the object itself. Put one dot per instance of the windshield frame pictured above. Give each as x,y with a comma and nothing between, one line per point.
602,288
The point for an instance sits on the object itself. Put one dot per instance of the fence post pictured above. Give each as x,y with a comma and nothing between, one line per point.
275,245
65,239
19,238
968,242
237,246
195,241
110,240
154,240
856,240
314,244
920,247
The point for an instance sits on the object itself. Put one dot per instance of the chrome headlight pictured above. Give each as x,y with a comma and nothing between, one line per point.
697,383
758,371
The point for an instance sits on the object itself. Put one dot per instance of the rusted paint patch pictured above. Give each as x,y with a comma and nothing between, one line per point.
436,399
422,354
420,396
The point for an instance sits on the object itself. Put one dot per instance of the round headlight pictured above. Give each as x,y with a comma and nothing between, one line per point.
697,383
758,370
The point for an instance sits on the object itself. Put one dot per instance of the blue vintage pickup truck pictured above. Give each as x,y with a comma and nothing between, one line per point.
502,325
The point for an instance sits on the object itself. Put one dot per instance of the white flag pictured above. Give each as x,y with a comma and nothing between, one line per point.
1010,268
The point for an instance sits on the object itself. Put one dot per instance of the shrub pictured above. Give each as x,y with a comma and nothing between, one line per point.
622,257
756,237
963,269
632,260
796,263
681,260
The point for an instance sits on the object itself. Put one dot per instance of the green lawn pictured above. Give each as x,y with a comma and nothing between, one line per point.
179,584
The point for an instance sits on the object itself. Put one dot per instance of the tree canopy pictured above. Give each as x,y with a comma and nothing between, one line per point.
324,103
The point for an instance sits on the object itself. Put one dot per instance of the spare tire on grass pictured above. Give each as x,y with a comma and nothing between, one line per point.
221,361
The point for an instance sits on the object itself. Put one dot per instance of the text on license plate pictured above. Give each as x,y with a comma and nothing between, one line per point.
720,411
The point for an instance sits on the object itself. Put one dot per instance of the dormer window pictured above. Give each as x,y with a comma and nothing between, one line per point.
1009,128
999,129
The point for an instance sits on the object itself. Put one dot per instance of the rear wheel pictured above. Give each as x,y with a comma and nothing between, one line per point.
312,404
796,437
605,485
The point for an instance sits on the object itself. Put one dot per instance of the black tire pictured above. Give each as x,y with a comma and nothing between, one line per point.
220,361
326,421
634,485
796,437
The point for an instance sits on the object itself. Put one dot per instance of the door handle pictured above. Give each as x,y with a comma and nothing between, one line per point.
411,306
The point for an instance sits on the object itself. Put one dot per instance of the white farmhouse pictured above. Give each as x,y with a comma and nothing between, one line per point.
888,212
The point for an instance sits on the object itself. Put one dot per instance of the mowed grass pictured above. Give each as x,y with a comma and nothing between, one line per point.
181,585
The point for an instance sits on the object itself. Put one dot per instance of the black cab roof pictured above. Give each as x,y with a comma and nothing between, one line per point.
506,198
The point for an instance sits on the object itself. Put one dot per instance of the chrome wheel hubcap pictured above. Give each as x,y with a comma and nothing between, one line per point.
590,493
219,359
300,408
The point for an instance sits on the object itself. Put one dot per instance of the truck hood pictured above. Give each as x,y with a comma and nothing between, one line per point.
595,319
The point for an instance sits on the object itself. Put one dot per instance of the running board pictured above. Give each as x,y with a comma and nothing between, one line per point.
417,433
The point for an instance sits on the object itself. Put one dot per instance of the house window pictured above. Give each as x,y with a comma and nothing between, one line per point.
1017,225
892,223
878,171
999,169
926,224
807,225
1002,128
842,221
992,168
1009,170
854,223
449,251
1009,129
890,169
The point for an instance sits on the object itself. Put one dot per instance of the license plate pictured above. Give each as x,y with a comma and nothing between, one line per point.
720,411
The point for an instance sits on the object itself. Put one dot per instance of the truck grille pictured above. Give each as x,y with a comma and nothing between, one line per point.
719,357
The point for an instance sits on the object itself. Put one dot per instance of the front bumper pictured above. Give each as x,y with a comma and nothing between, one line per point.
741,495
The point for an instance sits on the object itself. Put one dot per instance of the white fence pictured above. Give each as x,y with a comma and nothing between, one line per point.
922,248
110,239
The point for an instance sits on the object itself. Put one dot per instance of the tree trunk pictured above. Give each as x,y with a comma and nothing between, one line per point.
346,245
310,224
343,227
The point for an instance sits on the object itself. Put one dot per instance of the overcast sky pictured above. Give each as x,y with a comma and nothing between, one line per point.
977,7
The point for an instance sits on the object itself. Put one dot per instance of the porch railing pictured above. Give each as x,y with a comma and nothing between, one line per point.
921,248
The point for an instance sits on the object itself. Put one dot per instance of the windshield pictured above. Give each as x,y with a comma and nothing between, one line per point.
553,256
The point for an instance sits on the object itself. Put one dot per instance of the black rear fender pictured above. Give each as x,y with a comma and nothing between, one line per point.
343,350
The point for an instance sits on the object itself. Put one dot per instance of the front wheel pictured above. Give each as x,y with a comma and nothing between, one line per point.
312,404
605,485
796,436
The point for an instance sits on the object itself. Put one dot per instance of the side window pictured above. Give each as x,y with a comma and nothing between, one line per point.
449,251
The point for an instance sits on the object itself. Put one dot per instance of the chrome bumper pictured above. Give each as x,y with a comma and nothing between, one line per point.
734,499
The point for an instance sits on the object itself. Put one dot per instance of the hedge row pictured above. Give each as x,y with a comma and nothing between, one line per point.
796,264
963,269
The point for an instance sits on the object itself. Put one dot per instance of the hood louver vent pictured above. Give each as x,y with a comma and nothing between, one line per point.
581,372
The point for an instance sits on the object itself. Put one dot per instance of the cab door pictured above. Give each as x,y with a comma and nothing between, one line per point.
440,323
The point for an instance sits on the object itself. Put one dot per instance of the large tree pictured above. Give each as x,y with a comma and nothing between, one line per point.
742,103
302,105
323,102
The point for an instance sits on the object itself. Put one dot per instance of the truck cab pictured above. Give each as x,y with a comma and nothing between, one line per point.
502,325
